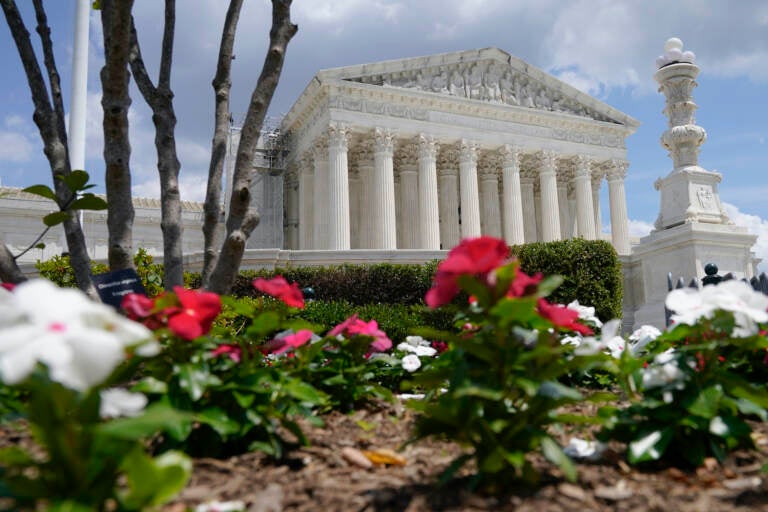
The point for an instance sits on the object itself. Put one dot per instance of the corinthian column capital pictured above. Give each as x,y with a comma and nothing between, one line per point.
582,165
468,151
427,147
510,155
337,135
383,140
617,170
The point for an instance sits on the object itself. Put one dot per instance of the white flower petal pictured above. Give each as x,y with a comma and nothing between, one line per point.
118,402
411,363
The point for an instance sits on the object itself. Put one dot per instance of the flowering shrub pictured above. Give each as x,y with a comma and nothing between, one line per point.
502,373
689,400
64,351
240,401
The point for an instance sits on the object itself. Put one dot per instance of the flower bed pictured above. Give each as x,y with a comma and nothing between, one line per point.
501,386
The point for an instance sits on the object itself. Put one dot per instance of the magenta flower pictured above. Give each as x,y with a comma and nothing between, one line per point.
354,326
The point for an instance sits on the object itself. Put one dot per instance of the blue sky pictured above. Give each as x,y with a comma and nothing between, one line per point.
605,47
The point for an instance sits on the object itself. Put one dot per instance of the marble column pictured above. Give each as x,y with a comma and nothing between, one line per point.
550,211
382,199
528,200
338,188
320,232
618,203
355,207
429,215
512,203
291,208
490,215
409,202
448,177
597,181
470,201
306,203
562,203
585,210
368,224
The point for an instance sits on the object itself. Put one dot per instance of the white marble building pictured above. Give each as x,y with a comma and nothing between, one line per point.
420,152
21,222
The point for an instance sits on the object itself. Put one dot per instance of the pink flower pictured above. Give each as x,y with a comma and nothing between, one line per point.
8,286
291,341
196,315
524,284
473,256
354,326
234,352
562,317
278,287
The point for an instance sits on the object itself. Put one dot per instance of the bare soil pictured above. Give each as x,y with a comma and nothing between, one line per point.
323,477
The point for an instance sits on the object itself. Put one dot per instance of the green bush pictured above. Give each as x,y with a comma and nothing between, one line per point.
590,268
59,271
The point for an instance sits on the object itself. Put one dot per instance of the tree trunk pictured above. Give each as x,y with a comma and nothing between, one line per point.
242,217
221,88
160,100
116,25
9,270
50,124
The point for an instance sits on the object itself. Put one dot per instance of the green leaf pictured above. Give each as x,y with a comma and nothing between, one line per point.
556,455
156,418
557,391
549,284
707,403
748,407
153,481
219,421
52,219
43,191
649,447
265,323
304,391
151,386
89,202
68,506
195,379
76,180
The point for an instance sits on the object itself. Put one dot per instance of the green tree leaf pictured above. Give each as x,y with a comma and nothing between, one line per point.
153,481
52,219
43,191
89,202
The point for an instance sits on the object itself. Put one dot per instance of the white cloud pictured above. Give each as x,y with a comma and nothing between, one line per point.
15,147
191,187
338,11
756,226
639,228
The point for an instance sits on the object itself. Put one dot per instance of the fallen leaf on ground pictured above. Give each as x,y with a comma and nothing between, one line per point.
385,456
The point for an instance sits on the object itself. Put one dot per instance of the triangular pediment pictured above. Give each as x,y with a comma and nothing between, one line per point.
487,75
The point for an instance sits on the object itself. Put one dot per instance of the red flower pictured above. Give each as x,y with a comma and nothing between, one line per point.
231,350
196,315
354,326
8,286
524,284
137,306
562,317
278,287
440,346
473,256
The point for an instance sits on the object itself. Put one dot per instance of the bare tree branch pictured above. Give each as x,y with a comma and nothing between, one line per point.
9,269
160,100
50,123
221,88
116,25
242,218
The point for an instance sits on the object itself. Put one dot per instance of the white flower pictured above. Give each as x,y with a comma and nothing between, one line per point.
411,363
586,313
117,402
747,305
642,337
646,444
664,370
582,449
80,341
221,506
417,345
574,340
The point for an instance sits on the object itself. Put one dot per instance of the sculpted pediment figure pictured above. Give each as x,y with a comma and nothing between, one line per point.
488,75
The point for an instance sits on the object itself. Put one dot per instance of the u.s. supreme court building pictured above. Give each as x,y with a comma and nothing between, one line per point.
418,153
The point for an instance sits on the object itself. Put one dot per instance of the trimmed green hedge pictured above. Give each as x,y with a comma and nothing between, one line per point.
356,284
590,268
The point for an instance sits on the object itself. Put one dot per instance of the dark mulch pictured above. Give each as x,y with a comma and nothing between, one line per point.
320,478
